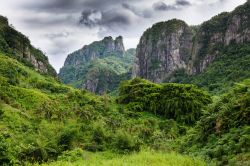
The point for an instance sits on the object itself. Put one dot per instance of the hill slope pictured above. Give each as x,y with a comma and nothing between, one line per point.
42,120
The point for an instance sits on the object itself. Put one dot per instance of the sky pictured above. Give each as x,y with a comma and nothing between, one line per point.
59,27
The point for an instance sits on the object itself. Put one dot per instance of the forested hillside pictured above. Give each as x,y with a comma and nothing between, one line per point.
43,120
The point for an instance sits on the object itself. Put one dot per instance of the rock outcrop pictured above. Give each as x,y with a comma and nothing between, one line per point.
15,44
172,45
165,47
98,67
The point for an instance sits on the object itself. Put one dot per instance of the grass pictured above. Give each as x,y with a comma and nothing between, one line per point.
143,158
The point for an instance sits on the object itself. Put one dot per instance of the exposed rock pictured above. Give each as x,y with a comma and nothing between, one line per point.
170,50
119,47
91,85
232,31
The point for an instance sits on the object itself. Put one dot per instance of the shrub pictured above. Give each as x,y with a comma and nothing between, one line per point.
67,137
5,156
125,143
72,155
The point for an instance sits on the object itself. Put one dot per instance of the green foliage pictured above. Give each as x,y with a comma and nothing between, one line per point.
125,143
224,130
5,154
183,103
71,156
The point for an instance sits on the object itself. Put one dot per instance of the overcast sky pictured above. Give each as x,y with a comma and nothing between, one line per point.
59,27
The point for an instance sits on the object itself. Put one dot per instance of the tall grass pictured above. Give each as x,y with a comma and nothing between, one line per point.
143,158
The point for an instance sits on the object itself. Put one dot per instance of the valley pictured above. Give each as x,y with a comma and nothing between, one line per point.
182,97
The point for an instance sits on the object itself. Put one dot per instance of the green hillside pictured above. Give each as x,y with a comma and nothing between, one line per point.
42,120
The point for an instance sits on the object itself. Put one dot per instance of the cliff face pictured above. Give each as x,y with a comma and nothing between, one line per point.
172,45
162,49
98,67
15,44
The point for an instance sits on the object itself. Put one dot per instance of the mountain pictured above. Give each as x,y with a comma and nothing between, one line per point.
172,48
98,67
16,45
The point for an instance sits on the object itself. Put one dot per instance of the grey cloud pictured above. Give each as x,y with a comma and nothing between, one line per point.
115,18
87,18
183,3
73,6
57,35
45,21
91,18
141,13
54,6
161,6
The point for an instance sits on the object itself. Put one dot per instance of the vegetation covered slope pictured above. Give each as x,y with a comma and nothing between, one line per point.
42,121
223,132
16,45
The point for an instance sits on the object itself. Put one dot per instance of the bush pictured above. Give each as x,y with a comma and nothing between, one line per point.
71,156
67,137
5,156
125,143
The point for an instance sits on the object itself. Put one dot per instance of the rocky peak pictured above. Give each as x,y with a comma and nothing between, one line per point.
119,47
98,49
